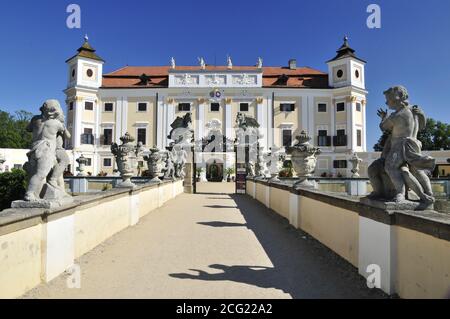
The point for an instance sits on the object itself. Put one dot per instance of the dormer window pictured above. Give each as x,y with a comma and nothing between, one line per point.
282,79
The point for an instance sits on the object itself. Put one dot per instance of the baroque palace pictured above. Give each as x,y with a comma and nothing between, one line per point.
285,100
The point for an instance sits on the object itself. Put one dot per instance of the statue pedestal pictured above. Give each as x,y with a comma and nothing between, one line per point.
52,197
187,183
392,206
356,187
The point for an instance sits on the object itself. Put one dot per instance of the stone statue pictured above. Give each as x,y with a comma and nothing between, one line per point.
260,166
402,166
172,63
123,153
259,63
229,62
304,159
356,161
202,63
247,130
273,162
47,159
154,164
179,159
169,169
82,161
182,132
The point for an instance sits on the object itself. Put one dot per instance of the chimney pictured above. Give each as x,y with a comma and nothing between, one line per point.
292,64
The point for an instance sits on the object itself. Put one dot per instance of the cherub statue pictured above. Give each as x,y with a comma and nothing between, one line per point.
202,63
172,63
47,151
229,62
402,164
169,169
259,63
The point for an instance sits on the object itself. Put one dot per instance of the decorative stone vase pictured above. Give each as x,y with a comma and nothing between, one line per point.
82,161
122,154
355,161
304,159
154,164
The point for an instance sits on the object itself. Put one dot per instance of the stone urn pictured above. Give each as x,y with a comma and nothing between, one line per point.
125,165
154,164
304,159
82,161
355,161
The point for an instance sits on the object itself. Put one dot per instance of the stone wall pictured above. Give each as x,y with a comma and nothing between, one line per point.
411,248
37,245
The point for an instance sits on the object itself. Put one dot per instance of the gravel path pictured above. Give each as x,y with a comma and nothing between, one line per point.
211,246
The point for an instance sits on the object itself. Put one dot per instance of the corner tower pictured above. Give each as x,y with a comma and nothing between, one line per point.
346,69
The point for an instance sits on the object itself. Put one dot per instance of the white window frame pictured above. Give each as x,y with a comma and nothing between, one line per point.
104,107
103,162
326,105
141,125
345,106
142,102
210,109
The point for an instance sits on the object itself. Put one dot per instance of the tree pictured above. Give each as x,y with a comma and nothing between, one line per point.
434,136
427,134
13,133
380,144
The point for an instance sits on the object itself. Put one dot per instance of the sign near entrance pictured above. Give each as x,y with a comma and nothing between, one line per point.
241,175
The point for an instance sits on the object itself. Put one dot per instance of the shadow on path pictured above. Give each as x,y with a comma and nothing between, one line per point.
303,267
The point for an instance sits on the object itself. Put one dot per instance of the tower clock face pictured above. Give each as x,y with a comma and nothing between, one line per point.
89,73
340,73
357,74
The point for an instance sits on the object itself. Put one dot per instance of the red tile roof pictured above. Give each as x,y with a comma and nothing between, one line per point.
302,77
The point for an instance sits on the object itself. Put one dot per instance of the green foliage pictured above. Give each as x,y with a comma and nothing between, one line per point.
13,133
229,171
199,171
434,136
12,187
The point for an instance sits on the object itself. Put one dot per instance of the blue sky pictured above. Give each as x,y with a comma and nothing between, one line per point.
412,47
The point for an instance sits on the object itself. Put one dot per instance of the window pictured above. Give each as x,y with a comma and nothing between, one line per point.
107,136
358,107
107,162
340,139
88,106
88,161
17,166
87,137
142,107
243,107
215,107
70,106
340,107
323,139
287,107
142,135
109,107
340,164
322,107
184,107
287,138
358,138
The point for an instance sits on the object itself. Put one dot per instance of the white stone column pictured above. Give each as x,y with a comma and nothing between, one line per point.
78,109
118,128
350,126
304,116
160,129
200,121
270,130
228,120
261,119
364,126
124,117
